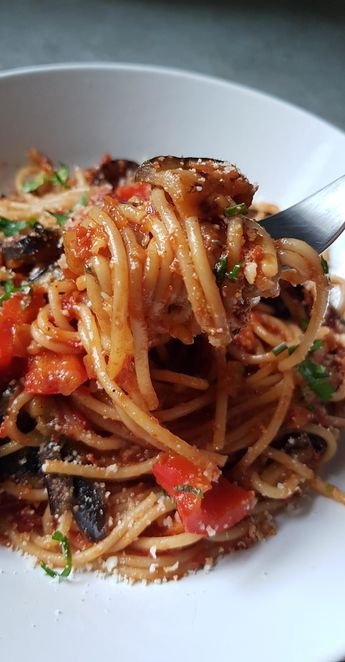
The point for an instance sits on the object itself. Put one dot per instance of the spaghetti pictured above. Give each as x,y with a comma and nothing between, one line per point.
171,376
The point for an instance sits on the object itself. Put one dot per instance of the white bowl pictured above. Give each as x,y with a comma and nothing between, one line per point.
284,599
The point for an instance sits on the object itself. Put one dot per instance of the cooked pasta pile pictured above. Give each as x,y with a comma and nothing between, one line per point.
170,375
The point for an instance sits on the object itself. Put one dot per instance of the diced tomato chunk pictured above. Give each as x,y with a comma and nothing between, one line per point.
21,339
51,373
22,308
221,508
204,507
16,315
80,243
6,345
172,470
128,191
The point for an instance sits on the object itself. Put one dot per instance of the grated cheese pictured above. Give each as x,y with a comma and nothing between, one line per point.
153,551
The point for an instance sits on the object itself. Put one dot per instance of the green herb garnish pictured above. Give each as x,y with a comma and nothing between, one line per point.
185,487
67,554
33,183
233,273
221,270
60,175
9,289
324,265
304,324
10,228
235,210
317,344
317,377
282,347
60,218
84,200
279,348
328,487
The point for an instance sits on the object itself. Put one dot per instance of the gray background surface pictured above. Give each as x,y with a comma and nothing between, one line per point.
289,48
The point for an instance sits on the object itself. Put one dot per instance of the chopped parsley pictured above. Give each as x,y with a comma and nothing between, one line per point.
221,270
60,175
317,344
304,324
185,487
60,218
67,554
10,228
233,273
235,210
9,289
324,265
33,183
282,347
328,487
317,378
84,200
279,348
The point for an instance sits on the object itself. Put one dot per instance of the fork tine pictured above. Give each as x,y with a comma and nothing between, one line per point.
318,220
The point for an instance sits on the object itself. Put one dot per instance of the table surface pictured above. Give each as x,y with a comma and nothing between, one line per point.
289,48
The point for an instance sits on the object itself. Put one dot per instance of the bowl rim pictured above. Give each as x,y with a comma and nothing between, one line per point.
17,74
173,72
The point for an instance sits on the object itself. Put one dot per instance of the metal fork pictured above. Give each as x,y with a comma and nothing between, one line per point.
318,220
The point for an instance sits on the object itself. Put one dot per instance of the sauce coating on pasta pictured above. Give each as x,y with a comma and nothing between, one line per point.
170,375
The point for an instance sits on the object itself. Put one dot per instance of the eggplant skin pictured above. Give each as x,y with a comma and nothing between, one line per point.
170,162
20,466
89,509
198,186
85,498
59,488
114,171
41,246
308,447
